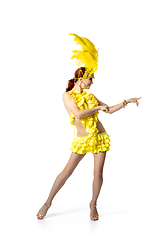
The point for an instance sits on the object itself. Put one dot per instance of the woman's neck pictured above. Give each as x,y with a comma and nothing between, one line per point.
78,89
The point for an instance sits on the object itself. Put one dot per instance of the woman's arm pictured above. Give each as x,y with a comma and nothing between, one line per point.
101,103
72,106
117,107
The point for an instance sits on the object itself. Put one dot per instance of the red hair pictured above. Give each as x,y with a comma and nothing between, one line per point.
78,74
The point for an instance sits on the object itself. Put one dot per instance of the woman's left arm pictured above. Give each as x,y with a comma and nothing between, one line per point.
117,107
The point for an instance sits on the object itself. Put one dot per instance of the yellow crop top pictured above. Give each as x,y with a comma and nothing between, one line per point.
85,100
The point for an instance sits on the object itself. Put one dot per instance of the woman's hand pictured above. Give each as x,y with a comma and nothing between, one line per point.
104,108
134,100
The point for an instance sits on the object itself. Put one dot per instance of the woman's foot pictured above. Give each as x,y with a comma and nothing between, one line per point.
94,214
43,211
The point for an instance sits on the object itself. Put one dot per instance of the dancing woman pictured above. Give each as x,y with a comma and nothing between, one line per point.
83,109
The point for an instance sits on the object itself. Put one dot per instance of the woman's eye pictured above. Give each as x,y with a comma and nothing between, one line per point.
90,79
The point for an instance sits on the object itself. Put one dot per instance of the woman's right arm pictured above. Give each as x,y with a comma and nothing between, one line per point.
72,106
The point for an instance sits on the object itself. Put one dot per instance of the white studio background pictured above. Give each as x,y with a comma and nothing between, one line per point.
35,133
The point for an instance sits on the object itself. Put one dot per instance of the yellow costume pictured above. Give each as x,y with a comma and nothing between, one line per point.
94,142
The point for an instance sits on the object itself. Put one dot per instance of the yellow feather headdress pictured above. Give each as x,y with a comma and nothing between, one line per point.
87,57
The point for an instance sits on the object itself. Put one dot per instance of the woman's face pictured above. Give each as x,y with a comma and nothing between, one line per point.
86,83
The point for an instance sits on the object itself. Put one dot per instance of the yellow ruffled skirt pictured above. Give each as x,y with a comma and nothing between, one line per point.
91,143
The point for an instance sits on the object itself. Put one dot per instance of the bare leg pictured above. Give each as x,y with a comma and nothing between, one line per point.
59,182
99,160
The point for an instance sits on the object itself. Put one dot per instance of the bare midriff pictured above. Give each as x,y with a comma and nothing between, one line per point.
81,131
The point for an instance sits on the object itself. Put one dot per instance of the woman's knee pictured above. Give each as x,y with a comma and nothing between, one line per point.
98,175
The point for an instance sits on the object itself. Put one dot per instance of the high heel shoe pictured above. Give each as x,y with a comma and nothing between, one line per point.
39,215
96,216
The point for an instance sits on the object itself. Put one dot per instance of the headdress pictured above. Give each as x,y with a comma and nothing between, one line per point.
87,57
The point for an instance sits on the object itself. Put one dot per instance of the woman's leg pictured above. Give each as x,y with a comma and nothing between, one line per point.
60,180
99,159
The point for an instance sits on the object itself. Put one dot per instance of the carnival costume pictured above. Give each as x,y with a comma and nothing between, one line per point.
94,142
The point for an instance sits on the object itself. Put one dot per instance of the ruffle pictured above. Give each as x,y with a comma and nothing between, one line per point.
91,143
85,100
72,117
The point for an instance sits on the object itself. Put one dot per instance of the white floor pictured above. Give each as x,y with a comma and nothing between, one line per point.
71,221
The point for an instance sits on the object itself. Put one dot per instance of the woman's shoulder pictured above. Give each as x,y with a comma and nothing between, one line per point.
68,96
65,96
67,93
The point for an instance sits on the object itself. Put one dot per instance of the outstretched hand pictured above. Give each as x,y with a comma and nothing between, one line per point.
134,100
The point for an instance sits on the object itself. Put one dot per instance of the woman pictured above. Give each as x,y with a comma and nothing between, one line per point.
83,109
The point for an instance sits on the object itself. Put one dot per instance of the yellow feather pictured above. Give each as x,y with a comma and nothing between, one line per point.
77,39
88,56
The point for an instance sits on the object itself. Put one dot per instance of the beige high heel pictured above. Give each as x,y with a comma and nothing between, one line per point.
41,216
93,218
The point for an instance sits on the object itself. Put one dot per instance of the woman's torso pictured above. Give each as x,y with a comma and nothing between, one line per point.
81,131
